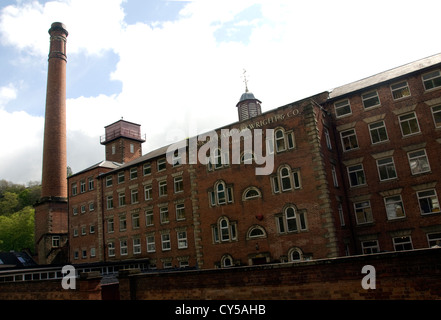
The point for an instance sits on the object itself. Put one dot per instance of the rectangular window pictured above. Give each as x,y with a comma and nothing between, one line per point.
135,220
370,99
275,183
151,243
133,173
434,239
394,207
369,247
432,80
178,184
296,179
428,201
163,213
212,198
400,90
436,113
356,175
74,189
148,192
147,168
165,241
402,243
163,188
55,241
182,239
180,211
341,215
121,177
82,186
161,164
342,108
91,184
409,124
134,196
110,225
149,217
334,176
122,223
418,161
122,199
109,202
109,181
111,248
349,139
290,138
327,138
363,212
378,132
386,169
123,247
136,246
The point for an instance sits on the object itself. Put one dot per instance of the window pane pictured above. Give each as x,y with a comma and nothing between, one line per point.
394,207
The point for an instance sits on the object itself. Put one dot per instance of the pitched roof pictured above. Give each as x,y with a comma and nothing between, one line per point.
385,76
15,260
102,164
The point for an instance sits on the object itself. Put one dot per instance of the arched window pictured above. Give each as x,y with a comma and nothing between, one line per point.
285,179
295,254
227,261
251,193
291,220
284,139
220,192
224,230
256,232
280,140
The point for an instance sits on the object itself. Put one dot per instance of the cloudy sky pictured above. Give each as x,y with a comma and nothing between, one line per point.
175,67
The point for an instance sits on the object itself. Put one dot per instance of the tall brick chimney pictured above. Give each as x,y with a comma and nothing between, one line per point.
51,211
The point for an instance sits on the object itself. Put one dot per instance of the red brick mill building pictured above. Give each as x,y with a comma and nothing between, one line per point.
356,171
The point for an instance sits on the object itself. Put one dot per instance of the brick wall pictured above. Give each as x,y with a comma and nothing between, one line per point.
399,275
88,287
407,275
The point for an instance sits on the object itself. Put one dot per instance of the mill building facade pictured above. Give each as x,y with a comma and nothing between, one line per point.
351,171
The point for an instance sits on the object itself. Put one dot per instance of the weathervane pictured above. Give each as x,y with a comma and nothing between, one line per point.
245,80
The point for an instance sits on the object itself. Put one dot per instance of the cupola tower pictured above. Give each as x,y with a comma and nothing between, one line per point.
248,106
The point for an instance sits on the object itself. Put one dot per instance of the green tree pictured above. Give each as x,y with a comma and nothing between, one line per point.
8,203
17,230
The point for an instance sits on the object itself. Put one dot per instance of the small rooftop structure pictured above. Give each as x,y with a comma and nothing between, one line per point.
122,129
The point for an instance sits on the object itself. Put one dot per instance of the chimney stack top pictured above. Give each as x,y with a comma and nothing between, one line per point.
58,26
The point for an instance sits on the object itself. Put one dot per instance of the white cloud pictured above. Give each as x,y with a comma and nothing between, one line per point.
177,80
22,146
93,26
7,94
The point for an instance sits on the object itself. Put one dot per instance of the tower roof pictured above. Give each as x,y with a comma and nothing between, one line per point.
247,96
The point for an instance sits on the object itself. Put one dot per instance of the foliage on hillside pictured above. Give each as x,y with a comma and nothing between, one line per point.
17,215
